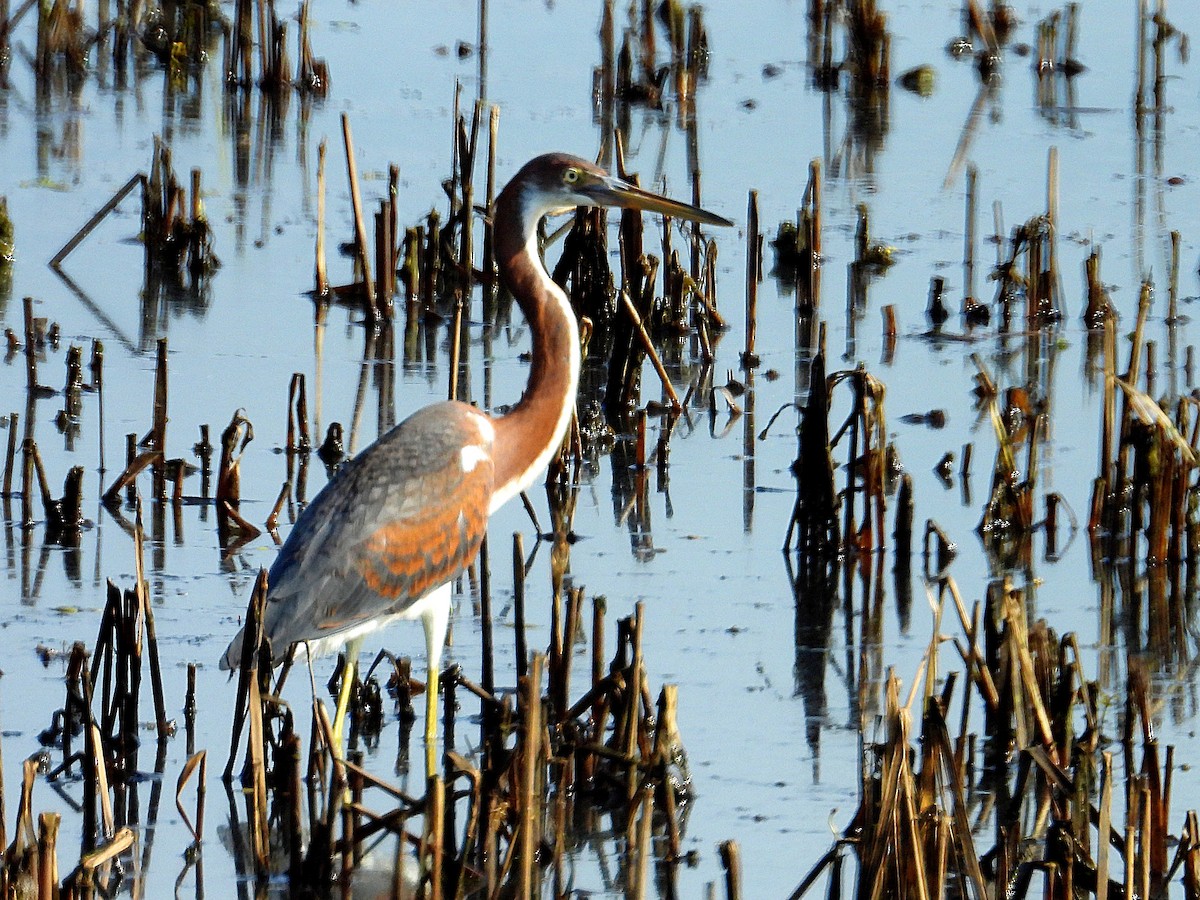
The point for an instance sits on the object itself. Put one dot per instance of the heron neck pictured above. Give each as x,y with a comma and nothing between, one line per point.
530,434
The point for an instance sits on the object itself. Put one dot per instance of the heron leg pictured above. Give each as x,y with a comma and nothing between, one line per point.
349,676
435,619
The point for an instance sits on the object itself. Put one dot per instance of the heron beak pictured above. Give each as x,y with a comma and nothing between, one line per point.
612,191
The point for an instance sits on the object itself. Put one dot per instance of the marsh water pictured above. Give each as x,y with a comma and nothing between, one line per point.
768,711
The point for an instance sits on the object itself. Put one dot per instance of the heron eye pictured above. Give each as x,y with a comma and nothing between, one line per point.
571,176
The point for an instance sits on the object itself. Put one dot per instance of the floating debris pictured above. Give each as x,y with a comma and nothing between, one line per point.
918,80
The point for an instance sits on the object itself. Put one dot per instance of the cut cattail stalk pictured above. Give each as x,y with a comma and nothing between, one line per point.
648,346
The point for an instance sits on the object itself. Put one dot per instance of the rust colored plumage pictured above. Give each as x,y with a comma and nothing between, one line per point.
409,558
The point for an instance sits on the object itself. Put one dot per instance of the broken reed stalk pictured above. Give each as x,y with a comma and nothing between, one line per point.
696,244
96,366
254,776
196,762
638,840
248,668
753,254
487,676
48,507
96,219
264,43
455,348
27,449
159,432
456,151
10,453
813,523
360,231
1173,282
31,378
467,151
189,707
731,862
814,234
1108,428
321,273
237,434
146,613
384,264
241,71
969,240
386,245
135,464
518,563
298,440
648,346
48,824
489,252
528,800
1052,229
631,724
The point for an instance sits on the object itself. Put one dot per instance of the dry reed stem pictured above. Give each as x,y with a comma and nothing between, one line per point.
961,824
197,761
120,842
360,231
256,796
433,854
48,824
99,216
107,817
977,668
248,530
518,568
131,472
731,862
14,420
1014,616
272,523
640,857
1147,411
753,250
321,273
529,834
489,253
248,665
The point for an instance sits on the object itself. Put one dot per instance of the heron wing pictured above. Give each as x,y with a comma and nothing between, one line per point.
405,516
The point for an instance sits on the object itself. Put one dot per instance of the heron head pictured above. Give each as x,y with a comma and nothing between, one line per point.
560,183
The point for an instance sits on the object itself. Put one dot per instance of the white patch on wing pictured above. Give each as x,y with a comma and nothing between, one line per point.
487,431
471,456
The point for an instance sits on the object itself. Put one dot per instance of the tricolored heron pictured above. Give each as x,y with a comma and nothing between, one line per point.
385,538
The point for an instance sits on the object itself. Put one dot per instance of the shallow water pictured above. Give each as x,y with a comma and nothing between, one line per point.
774,762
